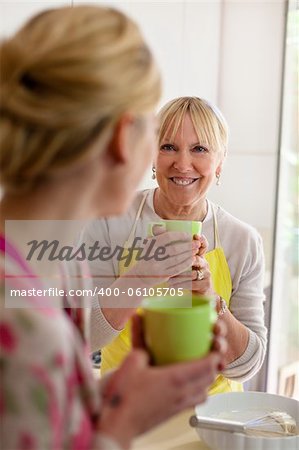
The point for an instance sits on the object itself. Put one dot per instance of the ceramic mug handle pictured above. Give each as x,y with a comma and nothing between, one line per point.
151,225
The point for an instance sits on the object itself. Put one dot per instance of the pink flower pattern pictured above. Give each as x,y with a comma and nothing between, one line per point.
59,360
47,392
8,341
27,441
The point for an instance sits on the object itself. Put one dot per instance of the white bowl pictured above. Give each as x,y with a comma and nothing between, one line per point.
244,402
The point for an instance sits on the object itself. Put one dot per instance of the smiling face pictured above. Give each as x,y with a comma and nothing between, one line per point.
186,167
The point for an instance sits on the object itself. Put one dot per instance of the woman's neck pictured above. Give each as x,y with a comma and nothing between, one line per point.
47,221
49,202
167,210
52,214
37,206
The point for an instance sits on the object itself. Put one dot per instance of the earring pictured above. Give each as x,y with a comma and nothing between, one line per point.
218,179
153,173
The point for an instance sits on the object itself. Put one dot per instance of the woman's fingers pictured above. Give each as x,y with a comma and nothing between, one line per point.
196,392
116,385
181,284
182,278
219,341
180,252
172,236
137,332
191,380
195,398
178,265
220,345
203,244
158,229
220,328
182,373
199,262
198,280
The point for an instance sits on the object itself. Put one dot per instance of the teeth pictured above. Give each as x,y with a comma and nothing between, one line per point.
183,181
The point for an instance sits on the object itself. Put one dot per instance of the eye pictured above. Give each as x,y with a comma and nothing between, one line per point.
200,149
167,147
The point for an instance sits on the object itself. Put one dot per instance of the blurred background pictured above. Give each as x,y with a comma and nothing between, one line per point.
243,57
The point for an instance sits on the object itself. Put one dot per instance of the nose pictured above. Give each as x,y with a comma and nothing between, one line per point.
183,161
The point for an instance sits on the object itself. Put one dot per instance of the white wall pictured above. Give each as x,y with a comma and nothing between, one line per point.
249,95
14,13
229,52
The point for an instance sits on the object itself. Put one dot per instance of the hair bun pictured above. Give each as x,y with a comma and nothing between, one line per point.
69,88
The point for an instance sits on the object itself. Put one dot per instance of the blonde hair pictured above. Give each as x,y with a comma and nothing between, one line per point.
66,78
209,123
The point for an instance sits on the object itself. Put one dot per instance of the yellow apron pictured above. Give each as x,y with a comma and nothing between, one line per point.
114,353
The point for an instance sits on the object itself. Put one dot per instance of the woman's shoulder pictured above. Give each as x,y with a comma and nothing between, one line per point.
118,226
142,204
141,198
237,229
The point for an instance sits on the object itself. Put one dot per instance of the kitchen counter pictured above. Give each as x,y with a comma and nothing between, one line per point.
175,434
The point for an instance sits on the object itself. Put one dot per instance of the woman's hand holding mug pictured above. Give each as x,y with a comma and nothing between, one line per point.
178,250
162,391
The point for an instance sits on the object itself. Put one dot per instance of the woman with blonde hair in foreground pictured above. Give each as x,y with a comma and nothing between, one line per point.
77,131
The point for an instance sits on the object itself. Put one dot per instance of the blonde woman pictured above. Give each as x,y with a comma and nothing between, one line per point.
193,141
78,89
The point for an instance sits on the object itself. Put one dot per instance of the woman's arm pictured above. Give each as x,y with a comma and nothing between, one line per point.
247,312
238,334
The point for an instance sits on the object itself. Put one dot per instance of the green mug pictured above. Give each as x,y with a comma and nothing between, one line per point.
177,330
188,226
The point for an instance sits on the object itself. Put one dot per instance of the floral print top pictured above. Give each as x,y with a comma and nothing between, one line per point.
48,394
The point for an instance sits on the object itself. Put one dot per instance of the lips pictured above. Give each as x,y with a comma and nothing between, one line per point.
183,181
